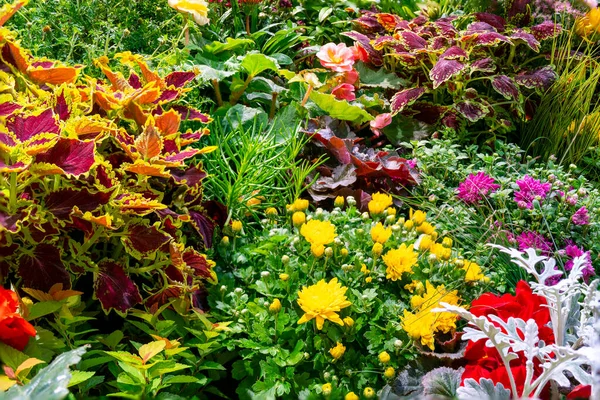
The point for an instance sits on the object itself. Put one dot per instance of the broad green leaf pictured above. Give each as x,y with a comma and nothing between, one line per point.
11,356
378,78
211,365
51,382
208,73
151,349
125,357
340,109
43,308
180,379
135,374
256,63
113,339
166,367
27,364
80,376
229,45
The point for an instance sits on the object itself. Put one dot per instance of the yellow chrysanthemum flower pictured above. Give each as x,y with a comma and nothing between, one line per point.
275,306
369,393
426,228
414,286
318,234
351,396
473,272
389,373
326,389
425,243
349,322
380,234
379,202
298,218
418,217
419,327
399,261
588,26
338,351
441,252
299,205
323,301
384,357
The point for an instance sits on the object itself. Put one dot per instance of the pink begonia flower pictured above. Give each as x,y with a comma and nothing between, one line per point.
345,91
351,77
338,58
360,54
380,122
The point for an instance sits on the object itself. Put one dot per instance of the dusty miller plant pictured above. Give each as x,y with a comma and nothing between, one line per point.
572,304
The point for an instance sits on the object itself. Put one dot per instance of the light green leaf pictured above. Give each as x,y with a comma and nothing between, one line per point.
208,73
11,356
151,349
229,45
125,357
182,379
256,63
211,365
80,376
340,109
378,78
43,308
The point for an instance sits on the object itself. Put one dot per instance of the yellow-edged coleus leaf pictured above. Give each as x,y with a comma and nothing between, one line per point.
8,10
114,288
72,157
88,127
44,71
142,167
136,203
143,241
42,267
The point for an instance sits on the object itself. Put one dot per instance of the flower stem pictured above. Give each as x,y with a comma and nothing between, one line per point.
215,84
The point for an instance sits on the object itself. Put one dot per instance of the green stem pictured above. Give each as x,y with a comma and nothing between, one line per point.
91,241
235,96
13,192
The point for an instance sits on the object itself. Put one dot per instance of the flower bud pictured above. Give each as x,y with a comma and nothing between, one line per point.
284,277
223,288
271,212
239,290
265,274
344,252
339,202
369,393
351,201
328,252
236,226
326,389
398,343
298,218
225,241
275,306
285,260
389,373
384,357
349,322
377,249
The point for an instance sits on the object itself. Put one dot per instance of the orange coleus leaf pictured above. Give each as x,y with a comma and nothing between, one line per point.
142,167
149,143
135,112
168,123
8,10
118,81
19,56
89,127
105,220
176,257
56,293
106,101
146,95
136,203
53,75
169,344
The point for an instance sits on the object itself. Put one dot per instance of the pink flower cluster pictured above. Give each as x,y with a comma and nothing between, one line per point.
476,187
581,217
534,240
529,190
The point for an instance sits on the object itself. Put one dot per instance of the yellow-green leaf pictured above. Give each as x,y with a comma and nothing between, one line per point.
151,349
27,364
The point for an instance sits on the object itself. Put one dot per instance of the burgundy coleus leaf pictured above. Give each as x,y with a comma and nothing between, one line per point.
480,27
428,113
471,110
61,202
413,41
141,240
191,114
167,96
527,38
179,78
134,80
72,157
201,266
12,222
453,53
505,86
26,127
383,41
364,41
61,108
439,43
405,98
204,226
490,39
114,288
494,20
446,29
369,23
541,78
42,267
7,108
546,30
191,176
16,167
217,211
483,65
339,148
444,70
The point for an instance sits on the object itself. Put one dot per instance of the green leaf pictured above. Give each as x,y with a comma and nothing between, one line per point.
165,367
183,379
125,357
256,63
378,78
51,382
112,340
340,109
11,356
229,45
208,73
43,308
80,376
151,349
211,365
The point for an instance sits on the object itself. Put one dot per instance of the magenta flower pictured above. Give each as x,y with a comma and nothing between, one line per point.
581,217
572,251
476,187
345,91
380,122
533,240
338,58
529,189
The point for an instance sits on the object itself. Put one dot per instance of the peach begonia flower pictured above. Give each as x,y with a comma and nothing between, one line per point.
338,58
380,122
351,77
197,8
345,91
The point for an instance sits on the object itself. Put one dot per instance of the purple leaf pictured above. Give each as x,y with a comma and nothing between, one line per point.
42,268
143,240
454,52
546,30
528,38
198,262
541,78
413,41
471,110
204,226
191,114
8,108
405,98
179,78
490,39
494,20
115,289
506,87
483,65
480,27
62,108
61,202
192,176
444,70
446,29
26,127
74,157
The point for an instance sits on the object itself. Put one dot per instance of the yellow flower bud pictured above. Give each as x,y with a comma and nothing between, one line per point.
326,389
225,241
298,218
351,396
253,202
368,279
328,252
384,357
447,242
275,306
391,211
271,212
339,202
377,249
389,373
236,226
284,277
349,322
344,252
369,393
338,351
426,228
409,224
300,205
317,250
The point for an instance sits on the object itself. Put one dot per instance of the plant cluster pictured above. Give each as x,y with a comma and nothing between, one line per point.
327,303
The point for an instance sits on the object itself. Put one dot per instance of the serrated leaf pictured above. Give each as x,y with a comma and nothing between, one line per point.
125,357
78,377
151,349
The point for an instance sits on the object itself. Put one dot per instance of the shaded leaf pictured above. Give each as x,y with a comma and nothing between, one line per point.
114,288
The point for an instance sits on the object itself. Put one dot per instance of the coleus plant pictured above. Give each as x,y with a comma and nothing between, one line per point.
98,179
473,71
558,352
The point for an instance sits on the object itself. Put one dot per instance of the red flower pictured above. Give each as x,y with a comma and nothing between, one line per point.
345,91
485,362
14,330
580,392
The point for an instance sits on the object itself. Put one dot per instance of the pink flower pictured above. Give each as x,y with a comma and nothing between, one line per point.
581,217
345,91
360,54
338,58
534,240
572,251
351,77
380,122
529,189
476,187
